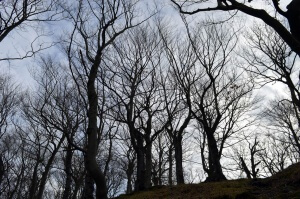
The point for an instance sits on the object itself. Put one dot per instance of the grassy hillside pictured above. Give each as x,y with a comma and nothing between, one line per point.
285,185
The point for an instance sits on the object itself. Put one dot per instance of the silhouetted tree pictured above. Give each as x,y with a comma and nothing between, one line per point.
134,91
292,15
96,26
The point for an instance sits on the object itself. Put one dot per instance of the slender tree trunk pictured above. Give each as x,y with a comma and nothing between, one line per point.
245,168
17,184
160,166
129,185
178,159
1,169
215,168
170,170
47,169
33,185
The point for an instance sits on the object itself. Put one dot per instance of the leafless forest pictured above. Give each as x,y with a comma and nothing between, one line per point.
132,99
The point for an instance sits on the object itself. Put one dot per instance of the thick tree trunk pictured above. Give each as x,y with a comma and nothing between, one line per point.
140,172
215,168
140,169
178,158
88,191
94,170
92,134
148,163
293,16
78,183
68,166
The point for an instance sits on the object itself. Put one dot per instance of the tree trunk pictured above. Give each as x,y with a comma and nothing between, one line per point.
78,182
148,163
47,169
160,166
92,133
293,16
129,172
68,166
1,169
88,191
170,170
215,168
178,158
129,185
245,168
140,168
33,185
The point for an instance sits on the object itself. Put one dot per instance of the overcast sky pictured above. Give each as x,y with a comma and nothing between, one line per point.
18,43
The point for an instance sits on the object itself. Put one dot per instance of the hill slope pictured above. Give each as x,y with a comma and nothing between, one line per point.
285,185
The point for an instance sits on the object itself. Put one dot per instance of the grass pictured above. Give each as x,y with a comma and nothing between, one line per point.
284,185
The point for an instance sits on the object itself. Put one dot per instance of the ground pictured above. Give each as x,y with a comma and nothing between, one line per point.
284,185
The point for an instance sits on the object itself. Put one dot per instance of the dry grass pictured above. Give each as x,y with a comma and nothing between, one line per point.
284,185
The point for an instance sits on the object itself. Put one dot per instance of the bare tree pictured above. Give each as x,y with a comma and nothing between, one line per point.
18,15
96,26
160,160
61,108
219,99
269,59
292,37
254,148
9,100
176,89
16,167
134,91
126,158
282,117
275,155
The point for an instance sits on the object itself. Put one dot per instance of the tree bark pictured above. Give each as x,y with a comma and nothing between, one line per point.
92,133
293,16
78,182
68,166
140,169
88,191
215,169
178,159
129,173
148,167
170,170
